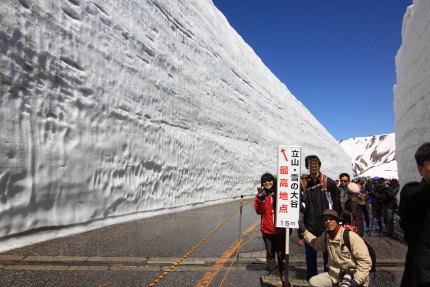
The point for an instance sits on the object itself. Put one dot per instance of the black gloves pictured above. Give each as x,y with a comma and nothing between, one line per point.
302,227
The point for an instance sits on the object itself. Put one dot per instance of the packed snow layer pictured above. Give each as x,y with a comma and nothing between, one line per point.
412,90
120,109
372,155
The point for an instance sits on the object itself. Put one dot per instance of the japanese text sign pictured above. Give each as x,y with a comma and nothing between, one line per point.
288,195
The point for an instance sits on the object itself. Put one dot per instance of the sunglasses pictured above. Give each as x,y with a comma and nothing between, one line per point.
325,218
344,180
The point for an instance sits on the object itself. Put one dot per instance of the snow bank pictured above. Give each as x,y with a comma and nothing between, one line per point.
412,90
117,110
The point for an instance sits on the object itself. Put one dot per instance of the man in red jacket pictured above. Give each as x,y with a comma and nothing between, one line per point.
274,238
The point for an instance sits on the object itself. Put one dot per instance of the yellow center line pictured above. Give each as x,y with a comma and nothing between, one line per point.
219,264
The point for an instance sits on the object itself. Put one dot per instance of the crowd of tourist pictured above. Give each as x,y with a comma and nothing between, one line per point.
372,201
338,213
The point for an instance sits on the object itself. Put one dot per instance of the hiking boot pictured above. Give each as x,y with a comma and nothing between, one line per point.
272,279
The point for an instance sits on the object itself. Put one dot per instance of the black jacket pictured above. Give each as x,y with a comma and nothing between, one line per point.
316,201
414,211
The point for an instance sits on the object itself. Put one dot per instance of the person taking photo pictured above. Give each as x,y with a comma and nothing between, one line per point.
274,238
346,266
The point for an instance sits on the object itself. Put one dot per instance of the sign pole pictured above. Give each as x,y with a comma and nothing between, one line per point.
286,279
288,197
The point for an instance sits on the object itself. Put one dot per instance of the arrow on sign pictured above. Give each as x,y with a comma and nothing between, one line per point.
283,152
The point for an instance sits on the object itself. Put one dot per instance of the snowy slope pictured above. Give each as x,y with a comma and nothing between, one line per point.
412,90
372,156
117,110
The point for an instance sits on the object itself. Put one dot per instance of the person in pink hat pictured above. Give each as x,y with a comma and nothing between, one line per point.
353,211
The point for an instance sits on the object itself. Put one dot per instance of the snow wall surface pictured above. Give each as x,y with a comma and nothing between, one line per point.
412,90
113,109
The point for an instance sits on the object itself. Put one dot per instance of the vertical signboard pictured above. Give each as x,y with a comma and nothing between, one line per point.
288,196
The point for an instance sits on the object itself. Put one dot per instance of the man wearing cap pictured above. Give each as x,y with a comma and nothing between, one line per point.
357,261
320,193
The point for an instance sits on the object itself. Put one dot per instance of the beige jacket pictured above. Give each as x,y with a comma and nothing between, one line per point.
340,257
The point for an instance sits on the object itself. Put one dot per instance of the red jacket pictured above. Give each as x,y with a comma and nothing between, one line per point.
267,212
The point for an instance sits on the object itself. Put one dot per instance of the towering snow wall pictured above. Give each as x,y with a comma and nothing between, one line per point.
118,108
412,90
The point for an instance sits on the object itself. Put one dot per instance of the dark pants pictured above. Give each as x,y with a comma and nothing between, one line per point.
311,259
366,214
388,216
377,212
275,246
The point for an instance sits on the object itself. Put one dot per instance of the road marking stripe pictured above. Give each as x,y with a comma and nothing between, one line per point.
219,264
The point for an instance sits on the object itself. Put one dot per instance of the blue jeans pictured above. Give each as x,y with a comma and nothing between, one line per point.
311,259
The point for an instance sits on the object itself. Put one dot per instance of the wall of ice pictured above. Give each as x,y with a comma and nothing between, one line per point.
113,109
412,90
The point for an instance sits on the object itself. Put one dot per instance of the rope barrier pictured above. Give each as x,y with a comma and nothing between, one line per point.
194,248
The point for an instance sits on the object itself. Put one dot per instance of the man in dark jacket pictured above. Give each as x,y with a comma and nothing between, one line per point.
414,213
343,191
320,193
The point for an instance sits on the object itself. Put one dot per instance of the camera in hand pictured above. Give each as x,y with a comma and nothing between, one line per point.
263,195
347,278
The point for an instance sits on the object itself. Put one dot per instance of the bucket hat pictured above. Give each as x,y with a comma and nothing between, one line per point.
332,213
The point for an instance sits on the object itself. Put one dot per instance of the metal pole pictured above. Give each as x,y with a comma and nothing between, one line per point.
286,279
240,232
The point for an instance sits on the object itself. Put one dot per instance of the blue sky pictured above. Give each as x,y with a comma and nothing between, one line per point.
336,56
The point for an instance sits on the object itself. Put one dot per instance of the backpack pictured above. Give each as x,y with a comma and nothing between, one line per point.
369,248
323,184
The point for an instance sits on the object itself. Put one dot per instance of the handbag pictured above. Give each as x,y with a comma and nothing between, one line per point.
351,226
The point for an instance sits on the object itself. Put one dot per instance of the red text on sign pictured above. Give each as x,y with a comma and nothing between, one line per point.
283,195
283,208
284,170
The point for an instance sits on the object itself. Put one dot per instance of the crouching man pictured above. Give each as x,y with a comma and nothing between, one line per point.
345,268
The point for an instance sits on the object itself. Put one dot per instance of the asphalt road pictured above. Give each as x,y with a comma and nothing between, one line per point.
139,252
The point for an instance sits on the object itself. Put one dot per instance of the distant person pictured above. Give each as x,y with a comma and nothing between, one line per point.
356,261
379,188
274,238
365,206
414,213
368,184
320,193
389,205
371,200
343,192
353,211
